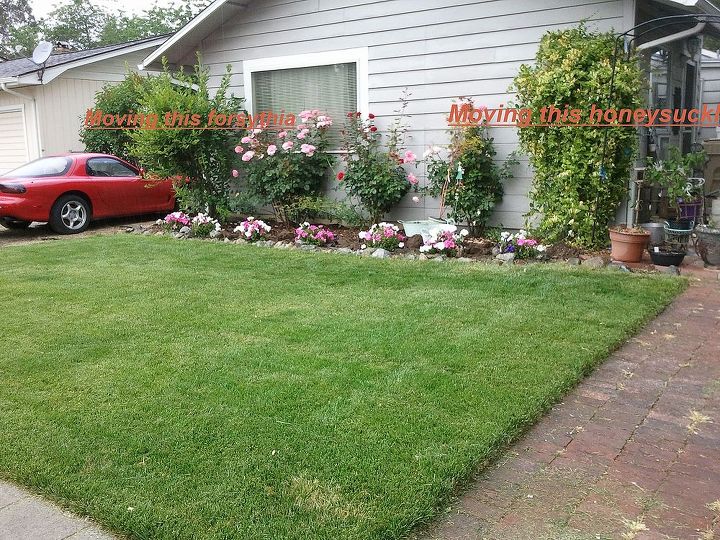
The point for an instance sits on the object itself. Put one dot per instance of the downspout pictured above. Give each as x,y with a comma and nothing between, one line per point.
4,88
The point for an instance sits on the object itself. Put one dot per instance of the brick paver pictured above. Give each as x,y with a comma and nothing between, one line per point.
632,453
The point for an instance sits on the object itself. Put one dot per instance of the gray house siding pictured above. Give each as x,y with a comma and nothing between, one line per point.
439,50
710,92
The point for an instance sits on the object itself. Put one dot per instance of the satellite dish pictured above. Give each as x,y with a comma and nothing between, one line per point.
42,52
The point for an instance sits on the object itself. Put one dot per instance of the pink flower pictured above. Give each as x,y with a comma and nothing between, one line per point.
308,149
238,149
282,134
246,140
247,156
409,156
235,173
271,150
287,145
416,199
412,179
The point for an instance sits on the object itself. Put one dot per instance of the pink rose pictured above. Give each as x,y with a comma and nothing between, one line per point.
282,134
247,156
271,150
412,179
409,156
246,140
235,173
287,145
238,149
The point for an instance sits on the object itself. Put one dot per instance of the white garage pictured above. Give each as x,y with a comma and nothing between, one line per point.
13,138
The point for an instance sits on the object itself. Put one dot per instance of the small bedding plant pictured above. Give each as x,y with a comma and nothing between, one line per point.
314,234
446,242
253,229
202,225
174,221
382,235
521,244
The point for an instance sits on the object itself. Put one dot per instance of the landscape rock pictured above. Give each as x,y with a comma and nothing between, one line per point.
308,247
505,258
345,250
573,261
672,270
270,243
215,234
619,266
241,241
414,242
495,251
594,263
439,258
465,259
159,233
381,253
129,229
147,233
410,257
227,240
185,230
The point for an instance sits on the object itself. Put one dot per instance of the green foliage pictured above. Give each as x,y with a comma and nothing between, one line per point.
311,208
15,20
469,178
123,98
78,23
203,158
373,171
574,67
672,174
281,166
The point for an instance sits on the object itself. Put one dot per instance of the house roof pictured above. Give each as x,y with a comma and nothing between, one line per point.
13,70
184,41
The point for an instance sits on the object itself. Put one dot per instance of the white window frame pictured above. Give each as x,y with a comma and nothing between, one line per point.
345,56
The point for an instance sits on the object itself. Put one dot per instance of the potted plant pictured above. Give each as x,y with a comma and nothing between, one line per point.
666,255
628,243
675,175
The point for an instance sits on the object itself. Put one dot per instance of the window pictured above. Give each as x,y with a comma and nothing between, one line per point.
333,82
108,167
50,166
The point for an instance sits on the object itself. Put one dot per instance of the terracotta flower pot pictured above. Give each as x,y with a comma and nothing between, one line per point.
628,246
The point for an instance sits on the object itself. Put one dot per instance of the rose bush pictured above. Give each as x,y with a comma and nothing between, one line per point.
282,166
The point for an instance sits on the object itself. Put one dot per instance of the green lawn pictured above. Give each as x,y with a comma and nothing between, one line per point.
184,389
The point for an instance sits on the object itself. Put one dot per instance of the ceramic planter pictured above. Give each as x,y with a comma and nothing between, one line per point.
628,246
708,245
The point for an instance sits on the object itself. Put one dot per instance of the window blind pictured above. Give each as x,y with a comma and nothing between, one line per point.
332,89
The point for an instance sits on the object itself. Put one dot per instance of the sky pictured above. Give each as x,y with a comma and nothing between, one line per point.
42,7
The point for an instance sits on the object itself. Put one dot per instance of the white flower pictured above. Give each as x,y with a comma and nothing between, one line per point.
416,199
363,246
540,248
464,233
401,244
439,245
424,248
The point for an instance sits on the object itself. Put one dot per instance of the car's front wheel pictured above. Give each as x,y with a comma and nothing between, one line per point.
70,215
14,224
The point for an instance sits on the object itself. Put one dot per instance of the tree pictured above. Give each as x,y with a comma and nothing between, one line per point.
79,23
14,14
120,99
203,158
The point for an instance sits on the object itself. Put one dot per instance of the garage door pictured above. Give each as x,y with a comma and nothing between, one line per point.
13,143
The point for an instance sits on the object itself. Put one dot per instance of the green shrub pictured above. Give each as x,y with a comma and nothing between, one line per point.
203,158
575,191
470,179
279,167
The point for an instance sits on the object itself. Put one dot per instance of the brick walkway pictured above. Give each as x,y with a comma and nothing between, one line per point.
632,453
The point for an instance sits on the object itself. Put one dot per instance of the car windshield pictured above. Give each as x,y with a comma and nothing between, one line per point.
49,166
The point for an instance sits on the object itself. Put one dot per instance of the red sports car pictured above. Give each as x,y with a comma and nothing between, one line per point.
69,190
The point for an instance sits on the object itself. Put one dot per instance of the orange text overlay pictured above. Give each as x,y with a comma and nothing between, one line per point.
552,115
99,119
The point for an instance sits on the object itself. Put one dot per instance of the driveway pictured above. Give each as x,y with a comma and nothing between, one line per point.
41,232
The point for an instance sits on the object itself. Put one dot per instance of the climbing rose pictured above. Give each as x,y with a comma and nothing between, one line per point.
247,156
340,176
235,173
271,150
